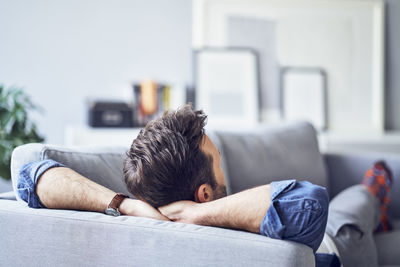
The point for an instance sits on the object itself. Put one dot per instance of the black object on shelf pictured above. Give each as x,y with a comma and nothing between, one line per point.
110,114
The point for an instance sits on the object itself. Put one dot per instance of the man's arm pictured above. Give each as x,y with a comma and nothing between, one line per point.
49,184
63,188
244,210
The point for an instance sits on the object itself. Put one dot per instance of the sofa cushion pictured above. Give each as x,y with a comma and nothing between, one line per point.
48,237
387,247
101,165
105,168
273,153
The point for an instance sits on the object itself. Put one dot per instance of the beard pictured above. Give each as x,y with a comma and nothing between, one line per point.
220,191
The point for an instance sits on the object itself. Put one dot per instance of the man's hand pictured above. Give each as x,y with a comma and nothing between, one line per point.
135,207
182,211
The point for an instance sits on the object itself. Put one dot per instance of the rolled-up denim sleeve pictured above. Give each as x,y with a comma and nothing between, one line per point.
298,212
29,176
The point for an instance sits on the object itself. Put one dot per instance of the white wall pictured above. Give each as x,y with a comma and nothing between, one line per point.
64,51
61,52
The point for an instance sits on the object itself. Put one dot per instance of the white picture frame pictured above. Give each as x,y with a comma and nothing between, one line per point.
303,96
353,33
227,86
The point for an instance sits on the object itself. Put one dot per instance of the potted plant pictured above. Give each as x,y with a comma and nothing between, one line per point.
15,126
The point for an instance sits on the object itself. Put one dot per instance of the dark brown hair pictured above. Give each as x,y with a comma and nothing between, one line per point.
165,162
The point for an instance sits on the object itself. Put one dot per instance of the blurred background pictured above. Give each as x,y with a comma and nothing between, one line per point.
99,70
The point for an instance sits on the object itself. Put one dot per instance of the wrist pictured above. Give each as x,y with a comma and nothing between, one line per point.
203,213
126,207
114,207
134,207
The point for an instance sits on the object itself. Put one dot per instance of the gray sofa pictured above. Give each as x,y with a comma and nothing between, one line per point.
43,237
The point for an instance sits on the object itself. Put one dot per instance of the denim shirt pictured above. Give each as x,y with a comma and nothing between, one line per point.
298,212
29,176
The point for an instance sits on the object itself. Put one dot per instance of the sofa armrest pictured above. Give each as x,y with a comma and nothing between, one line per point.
22,155
346,169
8,195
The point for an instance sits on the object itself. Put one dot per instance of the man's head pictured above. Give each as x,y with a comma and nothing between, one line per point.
172,159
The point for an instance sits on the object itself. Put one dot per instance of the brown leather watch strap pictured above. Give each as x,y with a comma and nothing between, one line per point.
116,201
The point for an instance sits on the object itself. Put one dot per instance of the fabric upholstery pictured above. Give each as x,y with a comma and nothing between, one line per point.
387,245
8,195
274,153
102,165
20,156
76,238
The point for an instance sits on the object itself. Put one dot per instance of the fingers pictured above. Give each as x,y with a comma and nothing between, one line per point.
180,211
175,210
168,211
135,207
162,217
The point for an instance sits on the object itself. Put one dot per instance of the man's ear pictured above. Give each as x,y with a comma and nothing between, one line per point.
204,193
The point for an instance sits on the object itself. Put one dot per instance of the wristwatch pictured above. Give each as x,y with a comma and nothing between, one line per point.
112,208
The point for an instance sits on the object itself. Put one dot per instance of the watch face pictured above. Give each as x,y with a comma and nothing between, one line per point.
112,212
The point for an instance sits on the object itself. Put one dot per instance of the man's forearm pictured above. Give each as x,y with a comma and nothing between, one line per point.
63,188
244,210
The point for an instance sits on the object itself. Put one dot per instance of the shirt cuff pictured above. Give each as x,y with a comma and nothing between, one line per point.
28,177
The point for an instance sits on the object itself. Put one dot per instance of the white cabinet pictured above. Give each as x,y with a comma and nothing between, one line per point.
87,136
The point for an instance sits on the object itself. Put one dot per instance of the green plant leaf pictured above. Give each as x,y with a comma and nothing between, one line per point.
15,127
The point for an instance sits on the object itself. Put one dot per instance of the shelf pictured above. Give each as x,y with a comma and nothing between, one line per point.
361,142
87,136
384,142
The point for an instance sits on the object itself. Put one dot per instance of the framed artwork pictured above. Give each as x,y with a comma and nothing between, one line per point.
303,95
227,86
345,38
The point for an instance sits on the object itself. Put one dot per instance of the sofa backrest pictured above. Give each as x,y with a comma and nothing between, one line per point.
100,164
271,153
285,151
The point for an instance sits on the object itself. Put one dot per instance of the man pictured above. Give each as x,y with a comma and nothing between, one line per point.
174,170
